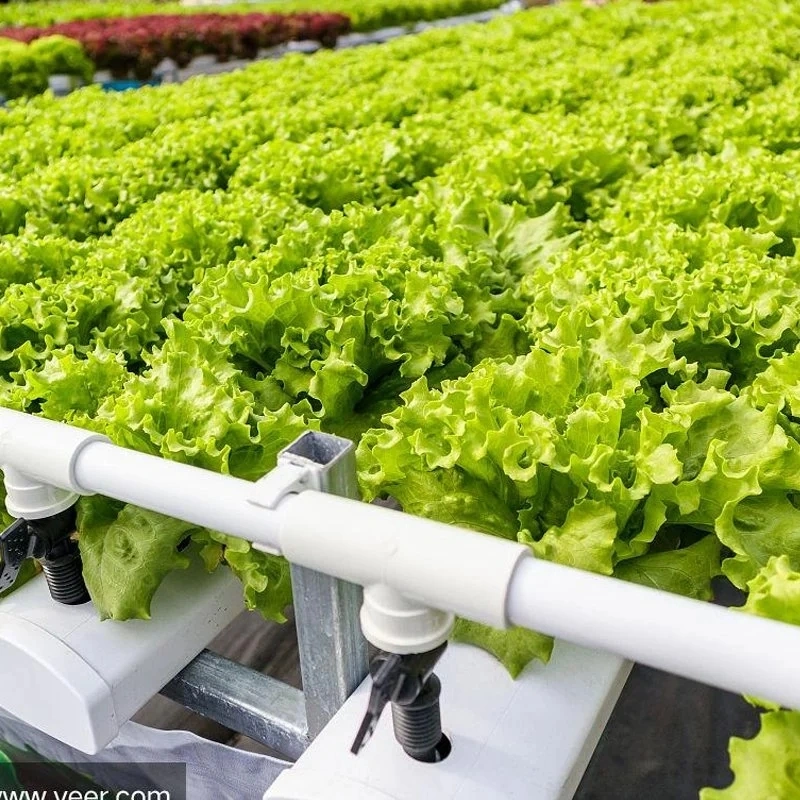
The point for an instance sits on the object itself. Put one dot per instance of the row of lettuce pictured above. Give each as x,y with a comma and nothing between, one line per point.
131,40
135,46
366,15
544,271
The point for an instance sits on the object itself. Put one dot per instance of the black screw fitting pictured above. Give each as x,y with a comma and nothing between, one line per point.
418,724
50,541
408,683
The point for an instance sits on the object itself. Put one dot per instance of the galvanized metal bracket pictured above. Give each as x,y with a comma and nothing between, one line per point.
334,657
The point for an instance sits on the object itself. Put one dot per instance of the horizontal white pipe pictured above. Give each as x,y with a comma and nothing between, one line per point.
42,449
482,578
495,581
710,644
199,496
442,566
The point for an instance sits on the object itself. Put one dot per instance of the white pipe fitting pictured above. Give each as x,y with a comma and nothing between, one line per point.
396,624
30,499
438,565
47,452
43,450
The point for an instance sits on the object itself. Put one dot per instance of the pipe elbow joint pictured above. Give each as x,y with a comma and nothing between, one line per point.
38,458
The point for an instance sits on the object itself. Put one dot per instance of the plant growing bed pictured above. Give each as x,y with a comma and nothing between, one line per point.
544,270
137,45
26,69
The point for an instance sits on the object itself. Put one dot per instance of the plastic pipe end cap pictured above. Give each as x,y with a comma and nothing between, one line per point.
394,623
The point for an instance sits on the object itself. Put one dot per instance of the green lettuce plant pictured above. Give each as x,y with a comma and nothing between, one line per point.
544,271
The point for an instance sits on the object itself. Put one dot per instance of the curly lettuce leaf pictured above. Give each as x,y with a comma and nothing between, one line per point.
514,648
766,766
775,591
266,579
687,571
585,540
127,552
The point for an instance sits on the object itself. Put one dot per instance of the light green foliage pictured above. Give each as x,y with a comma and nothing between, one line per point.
687,570
544,270
766,766
204,271
516,648
25,68
775,591
124,545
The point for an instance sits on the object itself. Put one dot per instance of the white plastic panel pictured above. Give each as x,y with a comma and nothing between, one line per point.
530,738
52,688
78,679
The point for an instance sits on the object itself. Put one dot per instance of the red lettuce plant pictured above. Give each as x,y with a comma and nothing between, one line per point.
136,45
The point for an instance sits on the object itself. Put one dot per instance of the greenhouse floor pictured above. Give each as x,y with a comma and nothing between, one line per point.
666,738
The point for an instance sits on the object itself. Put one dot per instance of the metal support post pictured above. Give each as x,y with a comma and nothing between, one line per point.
334,656
333,653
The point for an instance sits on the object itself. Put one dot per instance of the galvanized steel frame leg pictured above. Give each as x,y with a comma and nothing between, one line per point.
334,656
333,652
240,698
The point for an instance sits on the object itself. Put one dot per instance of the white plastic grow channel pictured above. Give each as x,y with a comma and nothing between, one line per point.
78,679
418,573
524,739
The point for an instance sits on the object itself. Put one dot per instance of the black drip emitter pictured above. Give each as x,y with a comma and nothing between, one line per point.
409,684
49,540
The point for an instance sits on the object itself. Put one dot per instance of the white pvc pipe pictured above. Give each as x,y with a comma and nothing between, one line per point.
714,645
439,565
199,496
496,581
41,449
479,577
